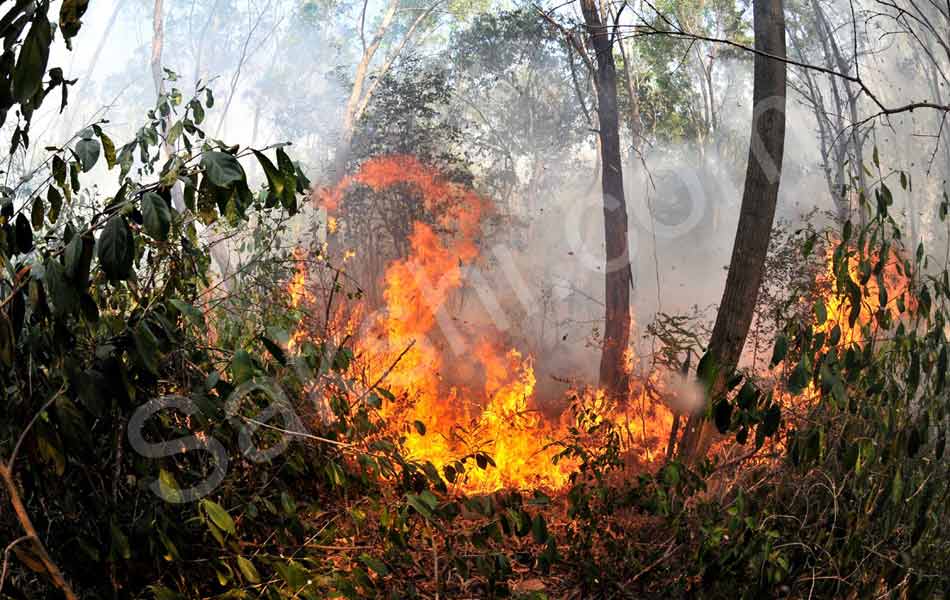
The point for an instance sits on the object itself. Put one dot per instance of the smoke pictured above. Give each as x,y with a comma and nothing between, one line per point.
280,70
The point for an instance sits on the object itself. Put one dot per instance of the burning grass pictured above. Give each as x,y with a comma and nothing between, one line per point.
461,392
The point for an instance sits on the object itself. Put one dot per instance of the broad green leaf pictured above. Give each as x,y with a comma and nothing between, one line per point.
117,249
120,544
146,345
222,169
722,414
539,529
375,564
189,311
218,515
897,487
781,349
773,418
55,200
168,486
295,575
275,179
157,216
242,367
108,149
248,570
24,234
289,171
37,212
60,289
78,257
821,313
59,170
163,593
274,349
421,506
7,341
88,152
31,63
197,111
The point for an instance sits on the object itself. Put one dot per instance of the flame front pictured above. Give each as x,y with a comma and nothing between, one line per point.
421,353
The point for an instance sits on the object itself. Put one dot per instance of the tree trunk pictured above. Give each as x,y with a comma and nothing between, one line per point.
755,219
614,377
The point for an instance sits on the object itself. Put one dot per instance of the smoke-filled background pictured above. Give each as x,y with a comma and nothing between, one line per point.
495,95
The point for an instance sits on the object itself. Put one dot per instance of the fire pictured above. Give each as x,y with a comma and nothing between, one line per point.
468,392
880,295
886,294
299,294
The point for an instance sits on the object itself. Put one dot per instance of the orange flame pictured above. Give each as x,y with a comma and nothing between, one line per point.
416,347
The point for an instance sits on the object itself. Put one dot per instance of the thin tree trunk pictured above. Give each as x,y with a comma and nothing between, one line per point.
755,219
158,43
614,377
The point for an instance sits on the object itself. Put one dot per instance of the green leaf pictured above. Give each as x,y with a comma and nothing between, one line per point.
120,543
274,349
174,132
722,414
189,311
539,529
55,200
375,564
248,570
420,427
197,111
88,152
798,380
146,345
78,256
289,171
117,249
421,507
275,179
707,369
24,234
7,341
74,175
222,169
242,367
218,516
897,487
780,350
773,417
59,170
747,396
163,593
108,149
31,63
157,216
61,291
296,576
821,313
126,158
168,487
37,212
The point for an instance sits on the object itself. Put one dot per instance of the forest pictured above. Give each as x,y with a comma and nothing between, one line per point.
447,299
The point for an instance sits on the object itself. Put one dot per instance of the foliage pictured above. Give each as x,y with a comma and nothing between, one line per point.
847,496
516,64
